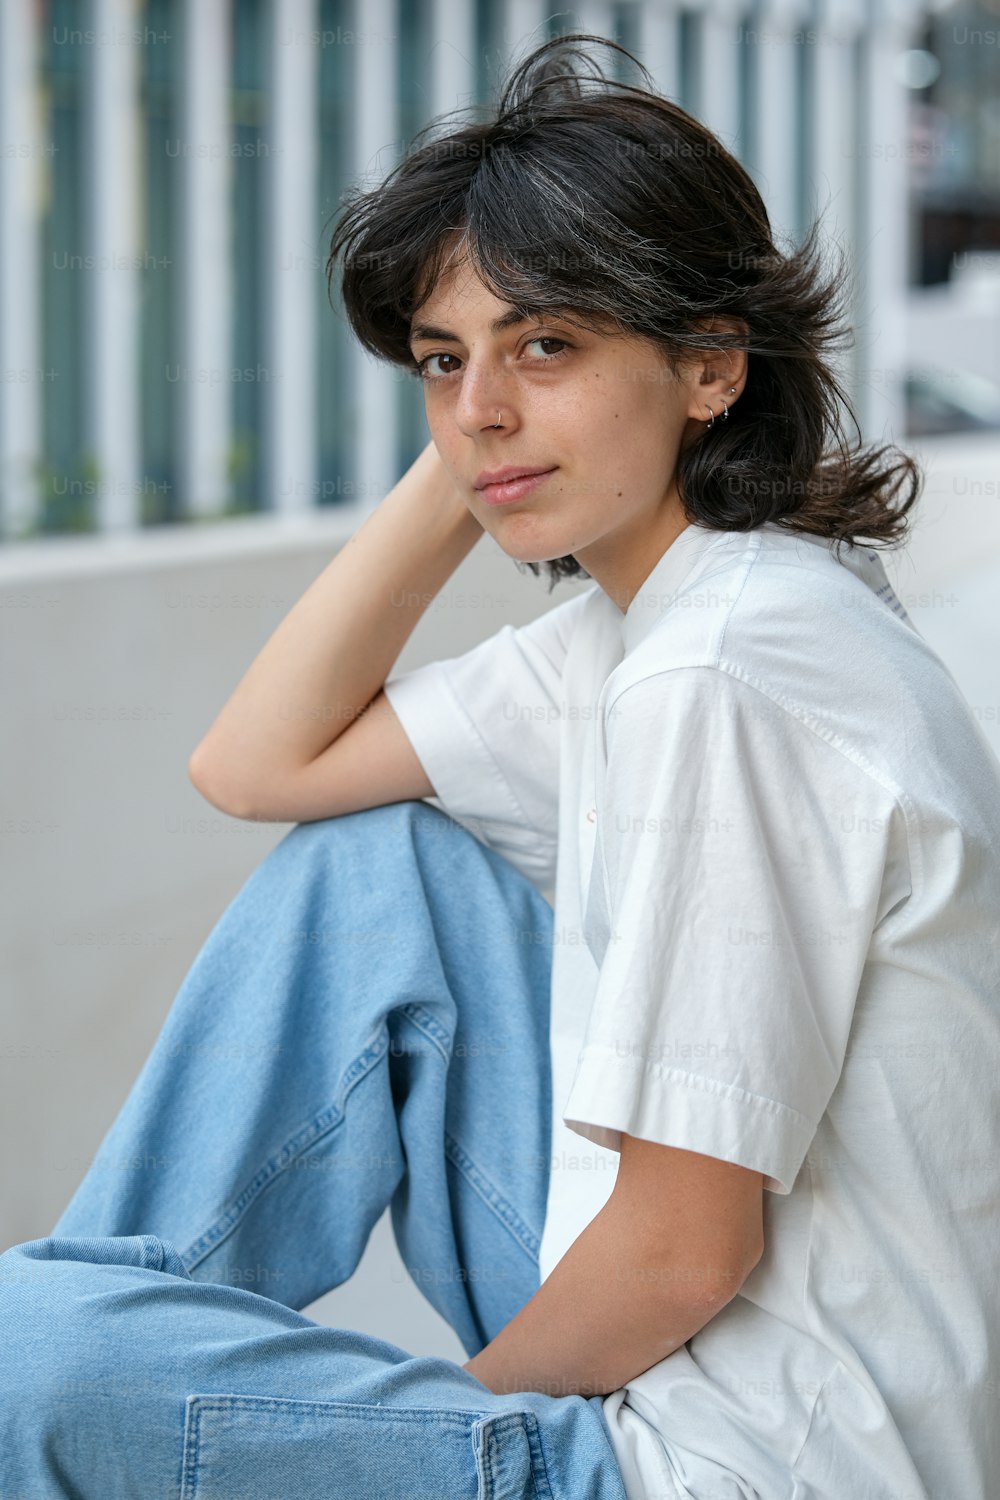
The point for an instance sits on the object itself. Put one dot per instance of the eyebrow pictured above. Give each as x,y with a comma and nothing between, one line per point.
507,320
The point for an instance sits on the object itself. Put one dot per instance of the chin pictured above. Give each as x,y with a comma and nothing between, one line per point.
531,554
524,549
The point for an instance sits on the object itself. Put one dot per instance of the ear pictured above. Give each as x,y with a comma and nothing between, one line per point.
716,377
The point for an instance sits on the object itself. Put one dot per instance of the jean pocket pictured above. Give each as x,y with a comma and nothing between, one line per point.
273,1448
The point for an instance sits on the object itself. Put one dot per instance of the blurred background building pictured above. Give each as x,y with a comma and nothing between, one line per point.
188,431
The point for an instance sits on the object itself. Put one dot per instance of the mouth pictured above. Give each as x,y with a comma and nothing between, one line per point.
514,487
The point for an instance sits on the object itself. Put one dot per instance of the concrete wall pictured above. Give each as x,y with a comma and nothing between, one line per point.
116,657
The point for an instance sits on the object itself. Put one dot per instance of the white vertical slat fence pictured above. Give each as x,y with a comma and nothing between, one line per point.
719,71
774,59
881,246
658,45
376,147
111,268
857,165
23,175
290,348
205,255
834,160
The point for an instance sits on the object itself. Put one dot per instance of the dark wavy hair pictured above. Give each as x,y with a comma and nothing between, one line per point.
609,204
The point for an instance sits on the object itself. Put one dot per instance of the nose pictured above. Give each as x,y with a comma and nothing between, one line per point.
482,399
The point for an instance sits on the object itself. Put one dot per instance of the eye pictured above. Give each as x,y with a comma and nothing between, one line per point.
423,371
544,339
561,352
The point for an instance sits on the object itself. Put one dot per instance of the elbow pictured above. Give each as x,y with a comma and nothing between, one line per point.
738,1273
216,790
738,1270
755,1253
711,1287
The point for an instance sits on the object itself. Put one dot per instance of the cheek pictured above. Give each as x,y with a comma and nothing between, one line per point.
446,440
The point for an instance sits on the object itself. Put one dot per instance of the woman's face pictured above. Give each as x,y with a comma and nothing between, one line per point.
600,410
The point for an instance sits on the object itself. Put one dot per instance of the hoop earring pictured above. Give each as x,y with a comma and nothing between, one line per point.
725,414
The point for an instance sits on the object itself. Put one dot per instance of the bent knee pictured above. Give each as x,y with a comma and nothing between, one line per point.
56,1294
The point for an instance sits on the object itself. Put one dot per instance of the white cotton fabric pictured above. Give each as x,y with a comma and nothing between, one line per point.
771,828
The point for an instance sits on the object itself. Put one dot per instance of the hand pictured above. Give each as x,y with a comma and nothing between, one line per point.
441,479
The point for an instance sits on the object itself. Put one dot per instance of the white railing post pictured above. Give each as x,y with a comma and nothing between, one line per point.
524,29
774,58
23,169
453,55
205,257
658,49
595,17
376,148
835,161
290,339
884,231
718,91
111,277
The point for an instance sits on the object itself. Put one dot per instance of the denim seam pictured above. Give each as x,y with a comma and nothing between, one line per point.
191,1448
490,1466
449,1416
538,1465
426,1022
486,1435
488,1194
320,1125
198,1406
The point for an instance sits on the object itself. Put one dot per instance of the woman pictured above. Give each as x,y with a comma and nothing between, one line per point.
770,822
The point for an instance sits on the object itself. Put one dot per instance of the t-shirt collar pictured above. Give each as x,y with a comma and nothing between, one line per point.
661,585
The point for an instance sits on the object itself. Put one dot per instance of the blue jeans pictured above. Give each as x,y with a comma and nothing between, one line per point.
367,1024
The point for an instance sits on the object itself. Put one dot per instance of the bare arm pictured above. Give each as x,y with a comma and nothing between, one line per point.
673,1244
333,651
599,1319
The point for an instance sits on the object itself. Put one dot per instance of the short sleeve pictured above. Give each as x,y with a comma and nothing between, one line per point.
486,728
744,861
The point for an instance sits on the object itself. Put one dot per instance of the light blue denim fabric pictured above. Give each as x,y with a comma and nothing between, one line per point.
367,1024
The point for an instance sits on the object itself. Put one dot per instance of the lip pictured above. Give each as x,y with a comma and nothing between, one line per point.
512,485
512,471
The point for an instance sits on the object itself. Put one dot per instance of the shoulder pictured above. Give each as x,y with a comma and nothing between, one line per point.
782,611
714,725
682,703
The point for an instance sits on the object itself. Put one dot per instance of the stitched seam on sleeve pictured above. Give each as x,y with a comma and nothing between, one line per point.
736,673
701,1083
746,575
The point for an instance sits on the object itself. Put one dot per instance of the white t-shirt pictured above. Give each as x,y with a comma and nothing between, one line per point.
772,825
